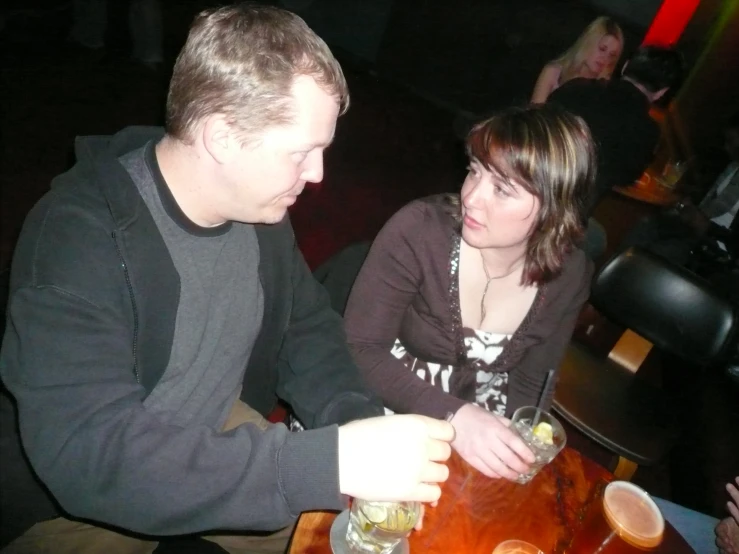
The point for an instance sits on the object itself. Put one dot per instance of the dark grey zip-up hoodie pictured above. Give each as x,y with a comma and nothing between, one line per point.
93,300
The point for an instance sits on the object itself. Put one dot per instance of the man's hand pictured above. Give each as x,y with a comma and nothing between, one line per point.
486,443
394,457
727,531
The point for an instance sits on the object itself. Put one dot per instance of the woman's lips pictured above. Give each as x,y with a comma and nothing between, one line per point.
471,222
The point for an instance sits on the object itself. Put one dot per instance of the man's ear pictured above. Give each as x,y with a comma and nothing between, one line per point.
218,138
659,94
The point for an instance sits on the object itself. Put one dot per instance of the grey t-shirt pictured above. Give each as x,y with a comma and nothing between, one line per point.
220,309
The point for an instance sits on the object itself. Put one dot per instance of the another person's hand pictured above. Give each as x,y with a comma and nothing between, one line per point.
727,536
733,504
727,531
487,444
394,457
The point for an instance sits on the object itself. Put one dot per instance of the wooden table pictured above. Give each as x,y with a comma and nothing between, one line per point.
476,513
649,190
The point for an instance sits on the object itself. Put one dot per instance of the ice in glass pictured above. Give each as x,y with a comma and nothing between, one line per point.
378,527
543,434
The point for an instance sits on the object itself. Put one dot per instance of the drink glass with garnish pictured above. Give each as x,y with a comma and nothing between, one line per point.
378,527
542,433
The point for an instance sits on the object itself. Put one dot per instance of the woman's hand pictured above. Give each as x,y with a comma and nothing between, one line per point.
487,444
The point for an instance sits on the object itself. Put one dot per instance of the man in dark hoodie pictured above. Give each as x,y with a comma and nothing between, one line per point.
159,307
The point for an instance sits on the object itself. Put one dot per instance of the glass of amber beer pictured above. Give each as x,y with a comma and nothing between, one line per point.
626,521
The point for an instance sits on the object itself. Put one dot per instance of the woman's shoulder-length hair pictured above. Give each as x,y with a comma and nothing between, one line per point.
573,58
549,152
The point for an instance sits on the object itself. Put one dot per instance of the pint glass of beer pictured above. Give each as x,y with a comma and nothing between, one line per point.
625,521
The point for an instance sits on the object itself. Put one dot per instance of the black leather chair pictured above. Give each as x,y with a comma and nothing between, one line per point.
661,305
338,273
4,291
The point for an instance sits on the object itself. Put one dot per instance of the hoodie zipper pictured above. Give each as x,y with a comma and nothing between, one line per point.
133,304
292,288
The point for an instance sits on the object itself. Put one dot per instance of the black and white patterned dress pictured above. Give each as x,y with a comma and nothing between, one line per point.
482,349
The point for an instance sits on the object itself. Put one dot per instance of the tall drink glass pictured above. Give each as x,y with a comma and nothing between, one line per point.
626,521
378,527
543,434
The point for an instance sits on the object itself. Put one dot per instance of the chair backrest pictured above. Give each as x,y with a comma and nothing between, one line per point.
338,273
667,305
4,292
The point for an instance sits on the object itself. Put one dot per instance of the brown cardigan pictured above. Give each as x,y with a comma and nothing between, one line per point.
403,291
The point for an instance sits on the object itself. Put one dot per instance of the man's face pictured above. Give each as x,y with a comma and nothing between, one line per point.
271,170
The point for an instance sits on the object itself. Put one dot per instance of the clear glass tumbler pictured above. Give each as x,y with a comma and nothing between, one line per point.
543,434
378,527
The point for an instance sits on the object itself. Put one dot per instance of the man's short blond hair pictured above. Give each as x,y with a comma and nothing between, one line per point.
240,61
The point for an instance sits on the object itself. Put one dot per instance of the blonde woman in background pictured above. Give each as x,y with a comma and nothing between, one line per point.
593,56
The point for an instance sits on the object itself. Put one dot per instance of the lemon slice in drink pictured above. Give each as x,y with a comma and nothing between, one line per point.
376,514
398,520
543,431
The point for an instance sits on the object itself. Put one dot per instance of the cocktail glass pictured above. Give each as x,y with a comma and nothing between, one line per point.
625,521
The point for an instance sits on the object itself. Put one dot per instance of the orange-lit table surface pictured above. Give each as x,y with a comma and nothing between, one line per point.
648,189
476,513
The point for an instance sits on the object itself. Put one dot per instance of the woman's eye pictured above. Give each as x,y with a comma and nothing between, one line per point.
500,191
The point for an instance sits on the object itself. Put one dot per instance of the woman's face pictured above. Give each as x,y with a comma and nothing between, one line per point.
495,213
604,54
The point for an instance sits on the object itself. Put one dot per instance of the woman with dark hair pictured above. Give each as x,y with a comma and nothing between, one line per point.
465,302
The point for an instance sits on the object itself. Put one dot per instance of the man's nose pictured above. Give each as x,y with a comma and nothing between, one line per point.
313,172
